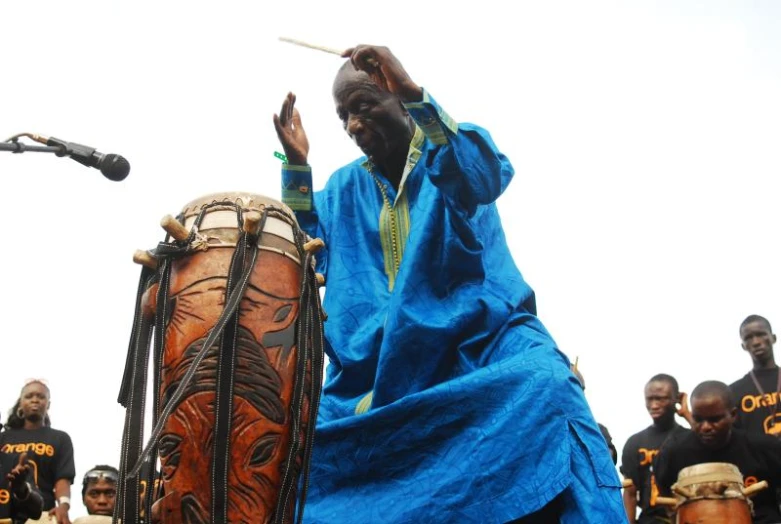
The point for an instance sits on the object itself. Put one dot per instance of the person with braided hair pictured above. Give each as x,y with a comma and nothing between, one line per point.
49,451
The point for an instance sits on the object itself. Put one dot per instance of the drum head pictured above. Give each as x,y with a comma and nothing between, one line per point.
245,200
710,472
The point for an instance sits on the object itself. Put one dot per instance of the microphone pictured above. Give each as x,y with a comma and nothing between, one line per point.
114,167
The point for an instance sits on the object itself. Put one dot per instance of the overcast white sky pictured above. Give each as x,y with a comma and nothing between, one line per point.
645,137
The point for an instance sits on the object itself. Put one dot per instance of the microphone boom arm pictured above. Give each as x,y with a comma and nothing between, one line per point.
13,145
114,167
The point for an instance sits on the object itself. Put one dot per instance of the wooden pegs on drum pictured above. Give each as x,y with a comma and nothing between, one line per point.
251,222
174,228
712,492
314,245
145,258
755,488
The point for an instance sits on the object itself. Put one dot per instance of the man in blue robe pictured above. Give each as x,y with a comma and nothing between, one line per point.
445,400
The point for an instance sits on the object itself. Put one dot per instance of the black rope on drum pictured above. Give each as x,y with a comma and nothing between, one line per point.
145,280
309,348
316,336
134,393
224,386
161,314
231,305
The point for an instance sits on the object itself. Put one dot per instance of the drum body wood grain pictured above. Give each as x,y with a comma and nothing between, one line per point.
264,371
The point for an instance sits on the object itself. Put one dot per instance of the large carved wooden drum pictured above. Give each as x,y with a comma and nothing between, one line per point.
231,302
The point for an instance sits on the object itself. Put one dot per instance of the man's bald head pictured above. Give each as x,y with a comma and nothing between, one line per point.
348,76
714,388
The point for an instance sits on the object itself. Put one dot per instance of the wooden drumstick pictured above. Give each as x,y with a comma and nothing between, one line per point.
174,228
755,488
301,43
331,50
145,258
251,222
314,245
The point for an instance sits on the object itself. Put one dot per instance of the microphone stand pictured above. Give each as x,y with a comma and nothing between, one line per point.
21,147
13,145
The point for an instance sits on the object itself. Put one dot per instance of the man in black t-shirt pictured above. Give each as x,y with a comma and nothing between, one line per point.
714,439
19,499
661,397
757,393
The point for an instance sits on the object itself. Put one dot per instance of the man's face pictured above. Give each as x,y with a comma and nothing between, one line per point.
374,119
758,341
712,421
100,497
659,400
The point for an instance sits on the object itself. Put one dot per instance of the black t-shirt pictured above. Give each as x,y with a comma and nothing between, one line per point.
9,506
758,413
636,464
50,453
757,456
144,489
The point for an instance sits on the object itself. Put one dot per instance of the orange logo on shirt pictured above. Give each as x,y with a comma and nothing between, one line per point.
654,492
751,402
39,448
5,496
142,495
772,424
647,456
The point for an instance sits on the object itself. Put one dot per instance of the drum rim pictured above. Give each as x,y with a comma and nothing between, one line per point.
707,470
245,199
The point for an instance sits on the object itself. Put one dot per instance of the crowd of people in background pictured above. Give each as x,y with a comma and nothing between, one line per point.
738,424
735,424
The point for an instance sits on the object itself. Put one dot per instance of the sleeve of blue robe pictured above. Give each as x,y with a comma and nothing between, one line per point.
313,219
465,164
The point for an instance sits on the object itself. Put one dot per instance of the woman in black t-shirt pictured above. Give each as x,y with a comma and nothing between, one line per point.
49,451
